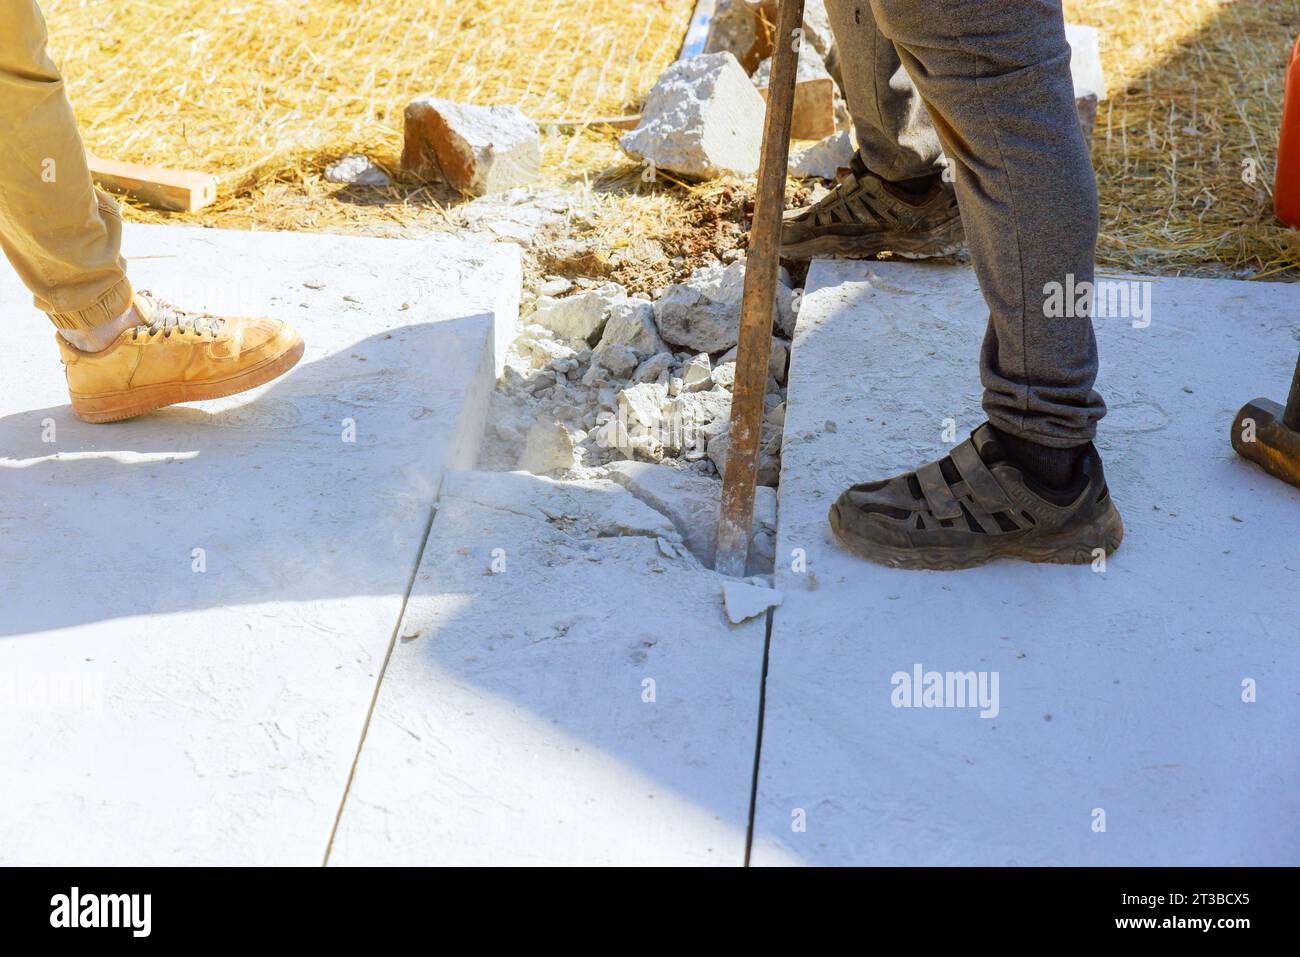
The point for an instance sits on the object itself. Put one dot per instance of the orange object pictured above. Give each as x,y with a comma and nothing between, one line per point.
1286,188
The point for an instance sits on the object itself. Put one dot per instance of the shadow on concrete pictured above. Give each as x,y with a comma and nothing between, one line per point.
318,487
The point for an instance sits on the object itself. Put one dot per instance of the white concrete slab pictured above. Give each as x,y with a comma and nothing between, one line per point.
1119,690
1085,60
153,713
567,690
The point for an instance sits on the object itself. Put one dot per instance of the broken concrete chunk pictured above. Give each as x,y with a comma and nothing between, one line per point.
775,416
651,424
580,316
542,350
736,28
476,149
639,429
643,404
824,159
769,454
673,550
703,313
567,506
787,306
654,367
745,27
687,317
762,551
692,501
817,30
619,359
632,323
554,286
744,599
550,447
695,373
814,95
724,375
778,361
702,119
1085,60
692,412
356,170
778,358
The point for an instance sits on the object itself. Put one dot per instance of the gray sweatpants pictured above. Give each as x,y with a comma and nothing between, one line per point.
987,82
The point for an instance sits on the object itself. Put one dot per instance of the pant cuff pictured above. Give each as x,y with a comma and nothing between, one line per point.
109,306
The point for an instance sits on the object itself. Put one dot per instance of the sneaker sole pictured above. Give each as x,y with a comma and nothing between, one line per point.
946,240
114,406
1073,548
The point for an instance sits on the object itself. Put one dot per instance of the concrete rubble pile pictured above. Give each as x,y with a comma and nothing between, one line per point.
611,385
599,376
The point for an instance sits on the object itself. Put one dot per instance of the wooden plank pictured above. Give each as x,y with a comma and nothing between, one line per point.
175,189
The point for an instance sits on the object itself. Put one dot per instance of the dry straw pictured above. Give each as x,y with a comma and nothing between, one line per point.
265,92
1186,146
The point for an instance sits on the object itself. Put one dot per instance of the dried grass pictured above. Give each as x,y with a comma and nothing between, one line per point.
1186,146
265,93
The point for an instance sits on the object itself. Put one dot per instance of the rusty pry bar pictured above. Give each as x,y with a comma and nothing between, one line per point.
1269,435
762,266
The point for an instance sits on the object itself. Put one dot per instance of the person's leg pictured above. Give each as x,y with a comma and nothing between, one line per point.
995,75
896,139
60,233
891,198
124,353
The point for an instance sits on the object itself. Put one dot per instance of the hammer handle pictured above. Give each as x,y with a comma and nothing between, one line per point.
762,268
1291,414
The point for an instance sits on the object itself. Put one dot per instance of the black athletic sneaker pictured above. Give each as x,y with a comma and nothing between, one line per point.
864,216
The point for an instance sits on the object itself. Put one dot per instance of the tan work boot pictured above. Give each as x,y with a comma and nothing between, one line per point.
176,356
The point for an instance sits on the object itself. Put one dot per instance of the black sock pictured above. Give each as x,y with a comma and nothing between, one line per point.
1053,467
919,186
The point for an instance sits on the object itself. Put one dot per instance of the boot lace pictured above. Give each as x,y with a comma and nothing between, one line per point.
165,318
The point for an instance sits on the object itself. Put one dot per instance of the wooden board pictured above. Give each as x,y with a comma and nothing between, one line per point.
175,189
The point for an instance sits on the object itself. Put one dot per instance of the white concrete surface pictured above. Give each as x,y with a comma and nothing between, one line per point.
1120,692
151,713
566,690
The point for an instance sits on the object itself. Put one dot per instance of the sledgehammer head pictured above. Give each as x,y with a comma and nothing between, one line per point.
1261,434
